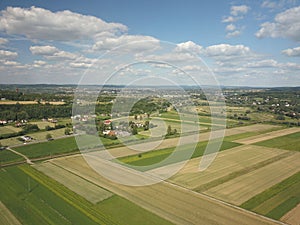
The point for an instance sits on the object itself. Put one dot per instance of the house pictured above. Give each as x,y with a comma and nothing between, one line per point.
107,122
26,138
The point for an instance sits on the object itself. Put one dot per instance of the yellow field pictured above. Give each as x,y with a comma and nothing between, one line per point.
89,191
6,217
293,216
244,187
267,136
226,162
171,202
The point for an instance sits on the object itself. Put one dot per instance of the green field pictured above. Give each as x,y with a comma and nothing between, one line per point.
156,156
48,148
251,133
61,146
288,142
33,202
277,200
37,199
7,156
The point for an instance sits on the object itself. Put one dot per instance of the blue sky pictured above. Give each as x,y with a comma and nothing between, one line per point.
255,43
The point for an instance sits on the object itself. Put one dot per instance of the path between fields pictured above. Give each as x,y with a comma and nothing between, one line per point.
20,154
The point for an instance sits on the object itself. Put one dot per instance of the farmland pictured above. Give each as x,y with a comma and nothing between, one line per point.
288,142
228,164
6,217
176,204
36,199
242,188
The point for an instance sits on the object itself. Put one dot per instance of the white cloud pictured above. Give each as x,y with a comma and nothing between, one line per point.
43,50
262,64
230,27
11,63
227,50
292,51
8,54
233,34
3,41
286,24
51,52
133,42
269,4
39,23
239,10
230,19
188,46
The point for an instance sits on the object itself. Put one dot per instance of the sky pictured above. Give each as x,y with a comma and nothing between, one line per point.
238,43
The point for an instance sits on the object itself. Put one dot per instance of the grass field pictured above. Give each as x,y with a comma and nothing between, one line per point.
9,157
6,217
278,199
58,146
156,156
227,165
288,142
242,188
43,124
29,103
244,135
33,199
89,191
9,129
116,207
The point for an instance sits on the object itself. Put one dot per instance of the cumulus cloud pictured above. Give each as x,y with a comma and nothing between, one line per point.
227,50
286,24
293,52
230,19
8,54
136,43
43,50
39,23
263,64
189,46
51,52
230,27
233,34
239,10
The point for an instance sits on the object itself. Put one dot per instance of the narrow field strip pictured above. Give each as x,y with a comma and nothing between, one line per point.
88,190
267,136
6,217
242,188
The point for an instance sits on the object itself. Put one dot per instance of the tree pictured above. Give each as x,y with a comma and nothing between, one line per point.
146,125
67,131
134,130
169,130
48,136
135,117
